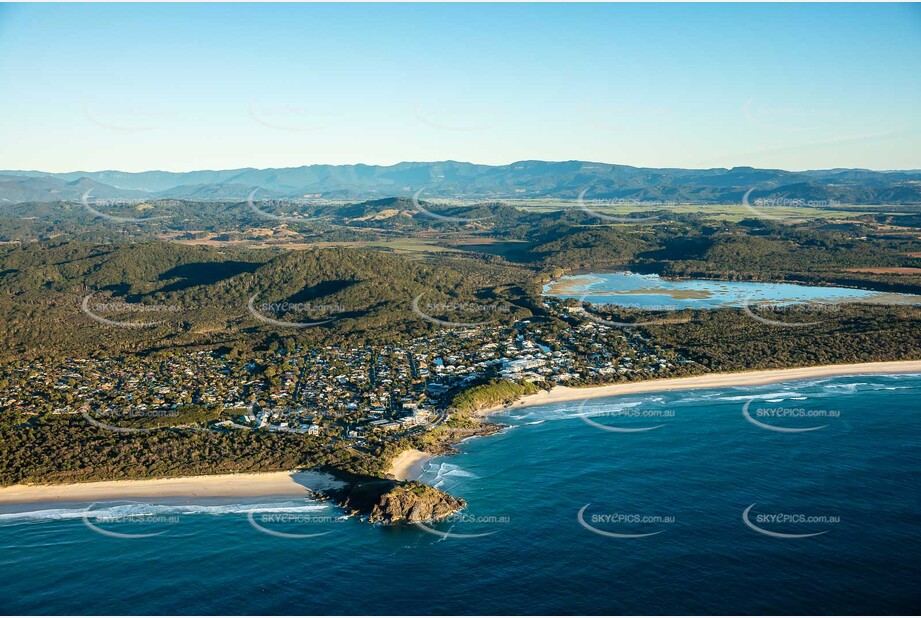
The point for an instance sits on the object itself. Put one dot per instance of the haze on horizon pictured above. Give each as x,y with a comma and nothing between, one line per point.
190,87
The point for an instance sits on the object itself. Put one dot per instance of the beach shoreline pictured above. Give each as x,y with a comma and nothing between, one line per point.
408,465
292,483
559,394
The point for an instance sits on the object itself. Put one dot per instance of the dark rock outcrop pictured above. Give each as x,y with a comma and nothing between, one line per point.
392,502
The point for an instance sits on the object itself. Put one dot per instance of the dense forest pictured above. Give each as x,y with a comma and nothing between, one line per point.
55,449
198,296
491,394
58,292
730,340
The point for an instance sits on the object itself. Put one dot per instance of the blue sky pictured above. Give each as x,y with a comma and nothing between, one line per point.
206,86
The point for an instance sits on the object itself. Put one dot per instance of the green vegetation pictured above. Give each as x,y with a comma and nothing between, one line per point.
728,340
54,449
198,296
490,394
820,254
212,360
181,416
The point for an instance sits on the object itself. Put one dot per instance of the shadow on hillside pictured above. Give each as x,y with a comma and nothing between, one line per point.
203,273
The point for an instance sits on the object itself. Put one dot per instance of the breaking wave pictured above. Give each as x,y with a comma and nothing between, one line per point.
137,509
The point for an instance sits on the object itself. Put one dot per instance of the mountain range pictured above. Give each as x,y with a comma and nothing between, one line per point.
452,179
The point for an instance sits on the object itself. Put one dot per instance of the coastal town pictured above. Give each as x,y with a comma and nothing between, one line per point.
347,394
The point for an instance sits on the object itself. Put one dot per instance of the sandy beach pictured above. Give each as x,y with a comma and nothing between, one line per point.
408,465
713,380
292,483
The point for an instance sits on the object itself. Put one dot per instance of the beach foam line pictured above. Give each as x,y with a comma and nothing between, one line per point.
139,509
293,483
559,394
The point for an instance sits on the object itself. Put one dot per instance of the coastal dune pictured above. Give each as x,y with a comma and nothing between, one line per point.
560,394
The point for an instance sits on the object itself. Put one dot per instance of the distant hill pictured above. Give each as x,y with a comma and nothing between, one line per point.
15,189
523,179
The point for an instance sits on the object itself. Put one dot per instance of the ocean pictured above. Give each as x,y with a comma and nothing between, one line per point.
792,498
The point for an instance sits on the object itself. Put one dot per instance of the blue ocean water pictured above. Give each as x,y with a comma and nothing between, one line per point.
652,292
546,498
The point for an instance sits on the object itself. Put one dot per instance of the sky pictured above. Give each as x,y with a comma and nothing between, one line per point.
216,86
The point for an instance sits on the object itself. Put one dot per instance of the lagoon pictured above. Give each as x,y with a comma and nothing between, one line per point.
652,292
